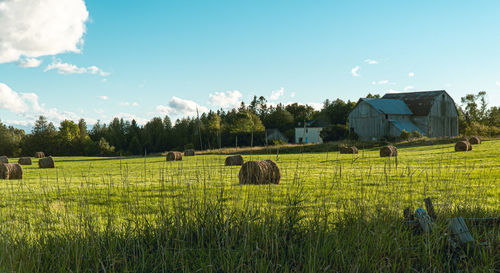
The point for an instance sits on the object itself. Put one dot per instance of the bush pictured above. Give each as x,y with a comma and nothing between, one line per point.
334,132
353,136
105,149
478,129
278,142
416,134
405,135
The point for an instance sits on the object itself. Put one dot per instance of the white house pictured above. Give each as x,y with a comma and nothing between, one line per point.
310,132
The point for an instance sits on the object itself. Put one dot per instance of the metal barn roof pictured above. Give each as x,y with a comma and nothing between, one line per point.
406,125
420,102
390,106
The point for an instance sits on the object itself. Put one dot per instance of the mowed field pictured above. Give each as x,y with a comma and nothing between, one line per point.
337,213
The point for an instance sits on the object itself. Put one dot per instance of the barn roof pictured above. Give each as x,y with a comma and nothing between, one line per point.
420,102
406,125
389,106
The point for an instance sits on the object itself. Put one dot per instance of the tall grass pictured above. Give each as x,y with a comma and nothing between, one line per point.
331,213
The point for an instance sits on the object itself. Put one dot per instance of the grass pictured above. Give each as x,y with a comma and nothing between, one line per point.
330,213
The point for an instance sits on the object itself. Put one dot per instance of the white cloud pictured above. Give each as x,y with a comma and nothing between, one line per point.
382,82
126,103
30,62
28,106
130,117
370,61
181,107
66,68
24,123
409,88
229,99
316,105
35,28
292,95
11,100
411,74
103,97
276,94
497,83
355,70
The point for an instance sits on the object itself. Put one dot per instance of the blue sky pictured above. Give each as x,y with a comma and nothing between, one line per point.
140,59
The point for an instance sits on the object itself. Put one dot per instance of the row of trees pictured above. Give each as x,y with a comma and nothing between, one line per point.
244,126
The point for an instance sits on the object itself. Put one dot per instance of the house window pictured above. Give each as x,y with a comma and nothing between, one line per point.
386,116
300,140
307,130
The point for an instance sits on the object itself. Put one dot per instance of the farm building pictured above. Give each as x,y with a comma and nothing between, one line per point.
310,132
432,113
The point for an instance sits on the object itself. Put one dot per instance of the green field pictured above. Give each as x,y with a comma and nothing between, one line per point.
330,213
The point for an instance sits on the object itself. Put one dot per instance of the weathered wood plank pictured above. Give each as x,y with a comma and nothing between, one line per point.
459,231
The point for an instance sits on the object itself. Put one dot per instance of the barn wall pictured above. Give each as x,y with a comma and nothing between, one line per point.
443,117
422,123
367,122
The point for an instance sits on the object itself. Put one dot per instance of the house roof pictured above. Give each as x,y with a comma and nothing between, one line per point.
406,125
420,102
389,106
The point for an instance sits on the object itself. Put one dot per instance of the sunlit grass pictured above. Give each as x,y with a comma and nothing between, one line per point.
331,212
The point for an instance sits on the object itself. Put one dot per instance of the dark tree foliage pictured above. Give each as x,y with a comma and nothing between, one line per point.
334,133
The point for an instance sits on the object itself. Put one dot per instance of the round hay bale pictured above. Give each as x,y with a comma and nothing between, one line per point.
11,171
463,146
234,160
349,150
24,161
388,151
174,156
39,155
259,172
46,163
464,139
189,152
475,140
4,159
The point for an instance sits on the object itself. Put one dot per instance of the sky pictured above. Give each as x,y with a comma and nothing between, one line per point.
99,59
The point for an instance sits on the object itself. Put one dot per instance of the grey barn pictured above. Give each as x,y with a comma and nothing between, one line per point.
432,113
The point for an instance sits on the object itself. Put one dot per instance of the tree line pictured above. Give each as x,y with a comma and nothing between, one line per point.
242,126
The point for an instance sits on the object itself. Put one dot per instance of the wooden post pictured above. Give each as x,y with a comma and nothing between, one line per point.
430,208
408,216
424,220
459,231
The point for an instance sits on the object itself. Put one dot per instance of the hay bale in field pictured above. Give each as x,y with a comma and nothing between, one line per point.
475,140
46,163
4,159
189,152
174,156
39,155
234,160
259,172
463,146
388,151
349,150
11,171
24,161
